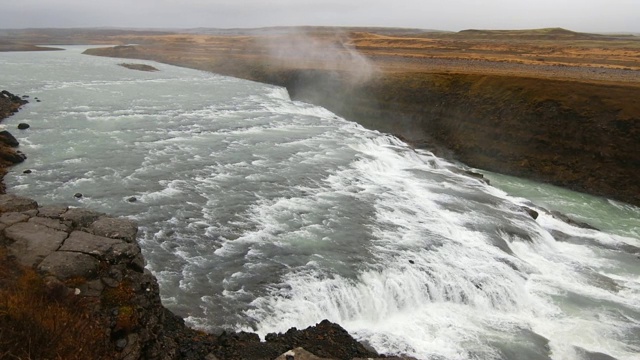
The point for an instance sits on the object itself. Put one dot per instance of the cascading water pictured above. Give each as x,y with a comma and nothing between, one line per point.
260,213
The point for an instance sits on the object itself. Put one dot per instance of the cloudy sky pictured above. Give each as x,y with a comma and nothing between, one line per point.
580,15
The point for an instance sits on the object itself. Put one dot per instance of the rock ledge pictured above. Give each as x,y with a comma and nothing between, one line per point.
96,257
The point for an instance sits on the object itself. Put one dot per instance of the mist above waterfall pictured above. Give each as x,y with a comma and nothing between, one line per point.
331,51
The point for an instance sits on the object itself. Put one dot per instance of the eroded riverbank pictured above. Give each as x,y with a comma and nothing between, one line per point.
572,123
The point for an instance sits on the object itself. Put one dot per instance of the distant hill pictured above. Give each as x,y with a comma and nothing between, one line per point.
284,30
546,33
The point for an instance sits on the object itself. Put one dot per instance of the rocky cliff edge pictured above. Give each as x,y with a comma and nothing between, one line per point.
93,262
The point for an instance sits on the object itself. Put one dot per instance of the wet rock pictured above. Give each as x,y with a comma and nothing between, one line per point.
534,214
32,242
27,171
589,355
66,265
140,67
560,216
132,199
9,202
411,262
23,126
115,228
477,176
8,139
77,195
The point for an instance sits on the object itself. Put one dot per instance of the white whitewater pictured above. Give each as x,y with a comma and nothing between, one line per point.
260,213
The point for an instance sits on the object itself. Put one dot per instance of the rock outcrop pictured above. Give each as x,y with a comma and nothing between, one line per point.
139,67
95,257
10,103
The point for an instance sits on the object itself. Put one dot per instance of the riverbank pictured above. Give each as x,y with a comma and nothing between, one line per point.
513,104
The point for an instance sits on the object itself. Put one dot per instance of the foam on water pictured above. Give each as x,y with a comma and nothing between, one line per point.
260,213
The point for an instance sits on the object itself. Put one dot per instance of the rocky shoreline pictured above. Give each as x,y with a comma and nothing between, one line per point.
88,264
9,155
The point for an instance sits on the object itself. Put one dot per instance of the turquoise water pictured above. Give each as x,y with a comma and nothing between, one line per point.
608,215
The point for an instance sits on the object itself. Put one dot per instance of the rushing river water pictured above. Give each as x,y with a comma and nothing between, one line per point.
260,213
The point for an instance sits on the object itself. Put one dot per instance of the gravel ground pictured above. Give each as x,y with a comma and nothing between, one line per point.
561,72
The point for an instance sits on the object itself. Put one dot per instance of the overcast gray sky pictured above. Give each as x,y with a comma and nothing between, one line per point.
579,15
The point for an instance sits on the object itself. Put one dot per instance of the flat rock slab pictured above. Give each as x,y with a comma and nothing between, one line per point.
33,242
81,218
83,242
102,247
13,218
115,228
53,212
51,223
66,265
13,203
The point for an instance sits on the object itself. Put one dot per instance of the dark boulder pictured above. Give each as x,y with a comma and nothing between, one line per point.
531,212
23,126
560,216
4,94
12,156
477,176
27,171
7,138
325,339
77,195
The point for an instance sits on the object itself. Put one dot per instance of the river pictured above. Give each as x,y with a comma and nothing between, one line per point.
260,213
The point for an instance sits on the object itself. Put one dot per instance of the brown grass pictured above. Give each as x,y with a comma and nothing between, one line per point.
42,322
